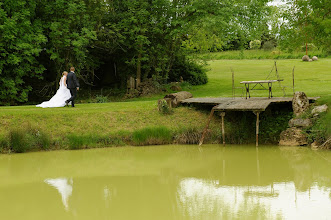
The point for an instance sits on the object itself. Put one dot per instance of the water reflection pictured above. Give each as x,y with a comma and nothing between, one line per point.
199,199
64,187
167,182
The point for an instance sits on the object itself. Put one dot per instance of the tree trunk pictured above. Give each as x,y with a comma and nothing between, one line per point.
138,68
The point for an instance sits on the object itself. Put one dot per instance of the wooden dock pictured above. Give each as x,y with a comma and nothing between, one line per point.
240,104
223,105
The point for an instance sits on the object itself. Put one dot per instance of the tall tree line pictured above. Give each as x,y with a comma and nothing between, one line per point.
109,40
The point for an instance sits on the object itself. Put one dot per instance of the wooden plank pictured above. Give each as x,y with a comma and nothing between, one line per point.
244,105
261,81
240,104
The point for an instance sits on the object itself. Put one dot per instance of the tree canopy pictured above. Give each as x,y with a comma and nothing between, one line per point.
110,40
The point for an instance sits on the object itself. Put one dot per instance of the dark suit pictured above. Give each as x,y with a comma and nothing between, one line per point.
72,85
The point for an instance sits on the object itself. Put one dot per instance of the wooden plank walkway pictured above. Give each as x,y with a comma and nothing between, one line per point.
240,104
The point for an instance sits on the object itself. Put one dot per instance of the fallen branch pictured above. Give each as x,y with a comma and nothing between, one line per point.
326,142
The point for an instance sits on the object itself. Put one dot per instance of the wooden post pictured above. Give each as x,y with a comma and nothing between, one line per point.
223,131
293,79
257,126
233,89
207,125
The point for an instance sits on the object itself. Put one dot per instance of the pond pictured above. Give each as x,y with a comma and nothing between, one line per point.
167,182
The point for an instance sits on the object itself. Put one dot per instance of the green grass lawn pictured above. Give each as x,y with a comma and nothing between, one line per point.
313,78
123,119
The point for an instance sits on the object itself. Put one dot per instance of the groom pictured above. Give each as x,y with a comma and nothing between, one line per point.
72,85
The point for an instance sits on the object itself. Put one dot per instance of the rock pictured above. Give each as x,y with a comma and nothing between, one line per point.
314,58
305,58
310,60
300,103
176,98
314,145
300,123
319,109
293,137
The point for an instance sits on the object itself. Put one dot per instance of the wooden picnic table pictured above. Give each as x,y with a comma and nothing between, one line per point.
259,82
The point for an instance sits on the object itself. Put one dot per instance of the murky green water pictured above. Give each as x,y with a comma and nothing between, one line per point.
167,182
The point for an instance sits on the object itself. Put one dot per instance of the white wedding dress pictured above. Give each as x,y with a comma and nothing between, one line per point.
58,100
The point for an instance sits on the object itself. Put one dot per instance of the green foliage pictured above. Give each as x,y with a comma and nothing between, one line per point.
164,108
152,135
18,141
190,71
27,138
3,144
255,44
273,122
77,142
310,47
101,99
268,45
321,129
21,42
306,21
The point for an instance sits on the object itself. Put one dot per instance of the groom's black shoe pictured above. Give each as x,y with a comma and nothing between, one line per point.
67,104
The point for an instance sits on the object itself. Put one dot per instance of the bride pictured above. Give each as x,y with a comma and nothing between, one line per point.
61,95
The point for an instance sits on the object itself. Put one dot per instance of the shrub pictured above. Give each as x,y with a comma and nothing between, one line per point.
101,99
190,71
3,144
163,107
26,139
255,44
18,141
43,140
153,135
268,45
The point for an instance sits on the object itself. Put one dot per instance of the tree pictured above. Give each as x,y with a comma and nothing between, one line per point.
21,43
306,21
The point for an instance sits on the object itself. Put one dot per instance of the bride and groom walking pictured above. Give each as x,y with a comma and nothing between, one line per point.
67,92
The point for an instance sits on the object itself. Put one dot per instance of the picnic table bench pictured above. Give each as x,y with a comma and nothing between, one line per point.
259,82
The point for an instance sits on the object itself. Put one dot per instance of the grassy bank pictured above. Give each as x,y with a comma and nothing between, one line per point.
137,122
94,125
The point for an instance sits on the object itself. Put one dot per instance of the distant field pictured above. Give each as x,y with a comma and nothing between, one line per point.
313,78
258,54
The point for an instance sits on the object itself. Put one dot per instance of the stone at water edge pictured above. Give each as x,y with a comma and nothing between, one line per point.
300,103
305,58
177,98
314,58
300,123
314,145
319,109
293,137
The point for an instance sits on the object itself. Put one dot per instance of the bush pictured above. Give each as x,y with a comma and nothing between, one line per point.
43,140
163,107
101,99
18,141
27,139
268,45
255,44
190,71
150,136
3,144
